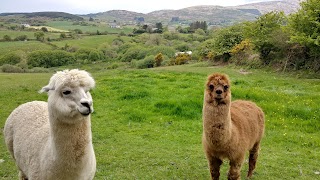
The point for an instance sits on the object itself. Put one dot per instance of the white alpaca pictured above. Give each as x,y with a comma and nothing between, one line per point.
53,140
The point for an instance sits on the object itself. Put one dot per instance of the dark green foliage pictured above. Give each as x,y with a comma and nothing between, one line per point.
47,14
164,50
135,52
7,38
8,68
44,29
78,31
305,26
21,38
147,62
48,59
39,36
83,53
95,55
10,58
198,25
63,35
261,32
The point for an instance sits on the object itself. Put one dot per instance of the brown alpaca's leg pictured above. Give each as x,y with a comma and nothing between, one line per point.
235,170
214,164
254,152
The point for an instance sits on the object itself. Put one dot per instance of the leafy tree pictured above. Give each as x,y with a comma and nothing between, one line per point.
10,58
7,38
48,58
21,38
63,35
91,19
44,29
261,31
305,26
39,36
78,31
225,39
158,59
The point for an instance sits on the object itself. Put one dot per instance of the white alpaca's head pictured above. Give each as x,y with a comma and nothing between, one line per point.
69,97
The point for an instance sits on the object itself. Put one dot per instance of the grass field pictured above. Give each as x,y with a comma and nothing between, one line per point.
29,34
89,41
147,123
25,46
102,27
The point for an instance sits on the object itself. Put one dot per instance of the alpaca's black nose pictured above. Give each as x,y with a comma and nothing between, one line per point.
218,91
85,104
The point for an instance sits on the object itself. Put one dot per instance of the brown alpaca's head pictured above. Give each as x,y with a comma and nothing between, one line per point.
218,89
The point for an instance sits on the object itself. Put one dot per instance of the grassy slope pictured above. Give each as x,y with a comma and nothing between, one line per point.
66,25
29,34
89,41
147,123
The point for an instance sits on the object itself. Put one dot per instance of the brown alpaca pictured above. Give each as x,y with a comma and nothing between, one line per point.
229,129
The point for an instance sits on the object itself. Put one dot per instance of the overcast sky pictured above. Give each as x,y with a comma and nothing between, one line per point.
95,6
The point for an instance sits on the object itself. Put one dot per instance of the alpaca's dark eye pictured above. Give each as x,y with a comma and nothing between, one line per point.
66,92
226,87
211,87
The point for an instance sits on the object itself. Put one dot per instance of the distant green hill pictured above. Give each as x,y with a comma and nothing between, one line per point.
46,14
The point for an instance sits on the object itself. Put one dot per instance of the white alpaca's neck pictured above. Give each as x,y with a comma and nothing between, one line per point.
71,147
71,140
217,123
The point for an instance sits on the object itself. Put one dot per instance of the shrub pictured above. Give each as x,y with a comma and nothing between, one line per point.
182,59
7,38
136,52
46,58
95,55
147,62
8,68
10,58
83,53
39,36
21,38
158,59
44,29
63,35
164,50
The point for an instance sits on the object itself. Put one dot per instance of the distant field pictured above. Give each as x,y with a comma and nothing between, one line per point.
88,41
102,27
50,29
147,123
29,34
25,46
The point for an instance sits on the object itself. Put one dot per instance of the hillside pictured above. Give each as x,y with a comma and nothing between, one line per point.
214,15
45,14
287,6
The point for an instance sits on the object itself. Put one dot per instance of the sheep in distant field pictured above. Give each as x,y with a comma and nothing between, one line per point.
229,129
181,53
53,140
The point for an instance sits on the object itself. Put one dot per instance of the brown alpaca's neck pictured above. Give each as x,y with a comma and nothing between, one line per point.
217,123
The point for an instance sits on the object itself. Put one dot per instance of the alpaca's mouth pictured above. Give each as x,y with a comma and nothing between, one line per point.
220,100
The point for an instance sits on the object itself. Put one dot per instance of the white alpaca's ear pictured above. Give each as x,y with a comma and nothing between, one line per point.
46,89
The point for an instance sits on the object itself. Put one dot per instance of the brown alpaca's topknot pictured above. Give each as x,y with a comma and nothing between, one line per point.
218,78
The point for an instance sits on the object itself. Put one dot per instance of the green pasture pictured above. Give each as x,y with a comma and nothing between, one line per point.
25,46
89,41
30,34
147,123
101,27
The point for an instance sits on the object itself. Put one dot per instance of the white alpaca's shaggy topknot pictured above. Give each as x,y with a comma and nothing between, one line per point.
53,140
